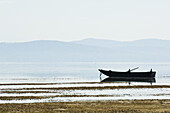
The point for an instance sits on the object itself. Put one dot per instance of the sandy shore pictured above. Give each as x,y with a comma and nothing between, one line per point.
121,106
30,95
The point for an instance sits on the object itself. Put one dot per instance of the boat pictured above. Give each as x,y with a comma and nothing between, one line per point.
128,74
129,79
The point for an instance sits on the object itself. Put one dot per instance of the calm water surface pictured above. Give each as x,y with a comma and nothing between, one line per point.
74,71
78,72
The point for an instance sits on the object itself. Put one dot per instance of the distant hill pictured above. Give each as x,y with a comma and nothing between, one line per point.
98,42
95,50
112,43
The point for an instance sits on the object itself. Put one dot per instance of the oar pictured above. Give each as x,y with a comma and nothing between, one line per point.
134,69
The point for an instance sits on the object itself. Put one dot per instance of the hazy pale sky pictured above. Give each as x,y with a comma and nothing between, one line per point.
67,20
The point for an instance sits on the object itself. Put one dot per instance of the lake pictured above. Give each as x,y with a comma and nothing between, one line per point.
73,71
77,81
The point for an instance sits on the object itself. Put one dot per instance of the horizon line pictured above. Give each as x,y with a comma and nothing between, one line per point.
82,40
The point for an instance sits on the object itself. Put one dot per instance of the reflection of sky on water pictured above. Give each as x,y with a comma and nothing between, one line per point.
71,99
62,85
109,94
80,72
114,94
84,70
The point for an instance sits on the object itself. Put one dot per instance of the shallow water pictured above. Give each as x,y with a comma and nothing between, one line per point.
83,95
65,74
61,85
112,96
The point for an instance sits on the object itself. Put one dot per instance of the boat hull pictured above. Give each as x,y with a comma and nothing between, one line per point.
150,74
129,79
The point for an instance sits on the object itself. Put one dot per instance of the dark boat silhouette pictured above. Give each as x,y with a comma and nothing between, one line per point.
128,74
131,79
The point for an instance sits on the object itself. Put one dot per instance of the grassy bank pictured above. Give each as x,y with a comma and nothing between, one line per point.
91,88
95,106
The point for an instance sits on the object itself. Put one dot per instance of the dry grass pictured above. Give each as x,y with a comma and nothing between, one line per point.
23,97
22,92
4,84
123,106
43,97
92,88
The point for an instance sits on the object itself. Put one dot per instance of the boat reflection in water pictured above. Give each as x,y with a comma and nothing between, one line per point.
129,80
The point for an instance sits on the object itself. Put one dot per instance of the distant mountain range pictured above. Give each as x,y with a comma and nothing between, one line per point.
91,50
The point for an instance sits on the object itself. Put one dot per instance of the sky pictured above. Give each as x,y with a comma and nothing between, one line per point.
69,20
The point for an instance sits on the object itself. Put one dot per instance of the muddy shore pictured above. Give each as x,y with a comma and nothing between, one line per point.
38,91
121,106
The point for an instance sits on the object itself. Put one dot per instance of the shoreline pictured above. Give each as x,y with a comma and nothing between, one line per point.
90,87
84,97
25,93
150,105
